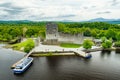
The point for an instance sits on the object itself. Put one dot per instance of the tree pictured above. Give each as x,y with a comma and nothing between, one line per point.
107,44
117,44
87,44
87,32
94,33
24,31
103,39
29,46
111,34
101,33
118,36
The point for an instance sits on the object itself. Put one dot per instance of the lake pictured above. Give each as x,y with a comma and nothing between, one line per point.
102,66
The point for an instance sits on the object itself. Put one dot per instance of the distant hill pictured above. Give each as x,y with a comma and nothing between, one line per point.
14,20
112,21
17,21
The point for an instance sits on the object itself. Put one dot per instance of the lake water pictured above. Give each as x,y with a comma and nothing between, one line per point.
102,66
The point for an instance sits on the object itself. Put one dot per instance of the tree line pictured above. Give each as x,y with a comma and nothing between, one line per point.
13,30
92,29
10,31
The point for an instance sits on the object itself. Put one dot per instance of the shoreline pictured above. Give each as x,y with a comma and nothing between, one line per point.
38,53
52,54
70,53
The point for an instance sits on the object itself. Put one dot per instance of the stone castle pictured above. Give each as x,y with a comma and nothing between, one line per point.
53,37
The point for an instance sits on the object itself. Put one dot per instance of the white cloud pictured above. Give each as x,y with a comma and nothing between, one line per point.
76,10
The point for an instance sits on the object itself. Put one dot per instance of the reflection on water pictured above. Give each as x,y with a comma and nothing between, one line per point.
102,66
117,51
105,53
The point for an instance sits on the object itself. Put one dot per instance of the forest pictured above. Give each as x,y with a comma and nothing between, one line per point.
13,30
92,29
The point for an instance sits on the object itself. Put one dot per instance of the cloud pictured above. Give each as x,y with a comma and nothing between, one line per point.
115,2
13,11
58,10
5,4
10,8
106,12
85,7
59,16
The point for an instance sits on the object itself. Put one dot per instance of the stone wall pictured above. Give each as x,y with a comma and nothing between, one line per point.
51,31
51,42
71,38
53,37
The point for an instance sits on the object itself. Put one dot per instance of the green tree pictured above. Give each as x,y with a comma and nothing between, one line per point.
94,33
111,34
87,32
87,44
118,36
103,39
29,47
107,44
24,31
117,44
101,33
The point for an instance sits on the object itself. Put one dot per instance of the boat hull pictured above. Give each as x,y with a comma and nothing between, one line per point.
19,71
88,56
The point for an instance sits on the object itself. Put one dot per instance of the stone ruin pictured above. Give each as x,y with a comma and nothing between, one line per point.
53,37
51,34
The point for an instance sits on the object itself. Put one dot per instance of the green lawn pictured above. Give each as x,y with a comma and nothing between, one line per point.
18,46
70,45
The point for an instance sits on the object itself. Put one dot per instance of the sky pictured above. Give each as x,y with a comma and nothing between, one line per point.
59,10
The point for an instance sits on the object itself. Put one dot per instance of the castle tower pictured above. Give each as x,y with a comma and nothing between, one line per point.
51,33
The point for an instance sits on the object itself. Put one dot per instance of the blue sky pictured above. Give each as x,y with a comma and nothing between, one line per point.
51,10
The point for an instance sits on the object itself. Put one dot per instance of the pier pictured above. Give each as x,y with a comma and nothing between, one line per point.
27,55
55,50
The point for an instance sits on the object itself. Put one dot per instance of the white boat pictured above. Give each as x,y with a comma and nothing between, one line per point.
23,65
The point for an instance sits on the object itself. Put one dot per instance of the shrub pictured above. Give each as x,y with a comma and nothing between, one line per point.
87,44
28,47
107,44
103,39
117,44
118,36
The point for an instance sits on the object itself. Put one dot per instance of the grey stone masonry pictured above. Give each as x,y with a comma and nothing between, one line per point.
51,31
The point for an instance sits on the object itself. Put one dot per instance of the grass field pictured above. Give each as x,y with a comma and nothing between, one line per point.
70,45
18,46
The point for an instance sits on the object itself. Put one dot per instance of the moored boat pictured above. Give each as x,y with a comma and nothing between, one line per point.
23,65
88,56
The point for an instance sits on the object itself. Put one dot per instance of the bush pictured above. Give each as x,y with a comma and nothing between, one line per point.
117,44
28,47
107,44
118,36
87,44
103,39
